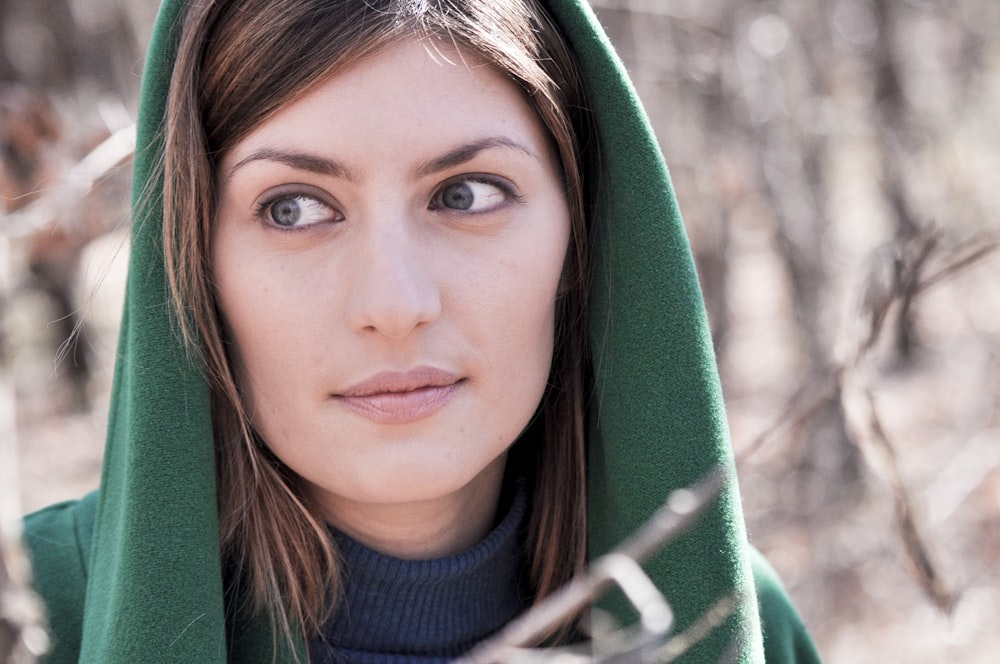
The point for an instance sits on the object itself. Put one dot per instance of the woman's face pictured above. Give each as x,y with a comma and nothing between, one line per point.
387,255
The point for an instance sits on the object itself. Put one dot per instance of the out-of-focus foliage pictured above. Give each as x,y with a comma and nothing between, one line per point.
836,165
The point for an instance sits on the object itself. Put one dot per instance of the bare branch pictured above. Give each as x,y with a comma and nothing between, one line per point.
699,631
75,185
972,252
872,435
680,511
899,276
907,280
798,409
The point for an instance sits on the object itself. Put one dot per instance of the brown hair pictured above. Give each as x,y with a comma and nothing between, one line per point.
238,62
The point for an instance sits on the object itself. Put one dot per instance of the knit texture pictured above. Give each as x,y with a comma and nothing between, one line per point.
425,611
148,587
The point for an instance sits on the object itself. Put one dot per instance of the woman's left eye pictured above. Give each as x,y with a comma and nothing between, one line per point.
472,195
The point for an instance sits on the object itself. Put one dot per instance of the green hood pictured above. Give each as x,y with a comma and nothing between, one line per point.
146,569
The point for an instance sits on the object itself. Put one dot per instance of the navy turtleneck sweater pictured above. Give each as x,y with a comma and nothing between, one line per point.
395,611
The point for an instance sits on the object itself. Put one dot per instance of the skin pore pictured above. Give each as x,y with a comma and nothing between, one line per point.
387,254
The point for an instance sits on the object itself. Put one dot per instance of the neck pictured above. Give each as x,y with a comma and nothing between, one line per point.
432,527
391,611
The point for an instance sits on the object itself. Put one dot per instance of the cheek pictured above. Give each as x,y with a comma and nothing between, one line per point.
251,317
526,310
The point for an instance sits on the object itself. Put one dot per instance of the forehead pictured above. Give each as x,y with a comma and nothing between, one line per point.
409,96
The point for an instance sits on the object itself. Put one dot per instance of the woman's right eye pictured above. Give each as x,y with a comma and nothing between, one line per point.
296,211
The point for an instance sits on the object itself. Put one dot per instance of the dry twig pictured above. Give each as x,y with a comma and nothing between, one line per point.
897,279
620,567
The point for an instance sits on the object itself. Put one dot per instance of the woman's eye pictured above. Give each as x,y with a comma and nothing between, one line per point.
471,196
297,211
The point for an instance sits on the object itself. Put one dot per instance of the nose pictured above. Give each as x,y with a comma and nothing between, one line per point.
395,292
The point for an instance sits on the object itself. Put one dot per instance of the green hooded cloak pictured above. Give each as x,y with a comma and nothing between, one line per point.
131,573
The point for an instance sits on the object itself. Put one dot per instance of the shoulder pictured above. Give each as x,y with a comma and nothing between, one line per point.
58,539
785,638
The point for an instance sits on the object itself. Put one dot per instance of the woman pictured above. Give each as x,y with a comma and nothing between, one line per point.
380,438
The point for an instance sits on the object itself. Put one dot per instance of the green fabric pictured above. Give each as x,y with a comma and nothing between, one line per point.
658,420
151,590
59,539
785,637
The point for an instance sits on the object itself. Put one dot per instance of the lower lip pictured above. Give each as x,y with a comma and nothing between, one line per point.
401,407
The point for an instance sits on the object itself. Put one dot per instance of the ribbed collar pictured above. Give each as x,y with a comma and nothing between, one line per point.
425,611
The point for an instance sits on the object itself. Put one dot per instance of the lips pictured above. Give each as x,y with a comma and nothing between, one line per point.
401,397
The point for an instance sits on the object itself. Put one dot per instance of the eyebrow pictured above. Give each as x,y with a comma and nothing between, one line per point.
468,152
298,160
323,166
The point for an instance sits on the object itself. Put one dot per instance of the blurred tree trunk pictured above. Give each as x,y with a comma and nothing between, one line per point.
78,48
37,39
784,91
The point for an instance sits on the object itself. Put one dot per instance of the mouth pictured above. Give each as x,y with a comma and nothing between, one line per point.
401,397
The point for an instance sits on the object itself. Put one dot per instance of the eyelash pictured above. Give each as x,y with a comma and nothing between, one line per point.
500,183
262,210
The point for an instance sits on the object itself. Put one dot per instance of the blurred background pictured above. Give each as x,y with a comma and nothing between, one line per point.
837,165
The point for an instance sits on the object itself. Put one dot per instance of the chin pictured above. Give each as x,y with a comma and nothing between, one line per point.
423,483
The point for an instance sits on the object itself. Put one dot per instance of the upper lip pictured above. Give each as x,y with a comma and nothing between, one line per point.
401,381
